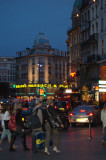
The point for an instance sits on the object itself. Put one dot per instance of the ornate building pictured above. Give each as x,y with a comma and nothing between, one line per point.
41,64
74,47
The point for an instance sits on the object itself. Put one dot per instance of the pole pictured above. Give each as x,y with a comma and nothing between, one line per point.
39,80
90,137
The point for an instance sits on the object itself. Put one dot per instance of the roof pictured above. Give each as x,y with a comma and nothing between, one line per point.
78,3
41,40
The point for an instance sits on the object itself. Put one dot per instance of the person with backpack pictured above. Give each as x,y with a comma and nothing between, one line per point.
52,124
37,121
19,128
5,117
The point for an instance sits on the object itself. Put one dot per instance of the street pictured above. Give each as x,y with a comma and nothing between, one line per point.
74,145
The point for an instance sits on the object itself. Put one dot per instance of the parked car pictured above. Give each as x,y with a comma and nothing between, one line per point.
81,114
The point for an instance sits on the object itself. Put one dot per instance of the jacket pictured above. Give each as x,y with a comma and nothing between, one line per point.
53,114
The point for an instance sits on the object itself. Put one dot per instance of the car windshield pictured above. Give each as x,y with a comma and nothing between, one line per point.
60,104
83,108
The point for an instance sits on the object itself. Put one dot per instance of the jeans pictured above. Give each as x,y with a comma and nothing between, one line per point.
48,135
15,134
104,137
4,133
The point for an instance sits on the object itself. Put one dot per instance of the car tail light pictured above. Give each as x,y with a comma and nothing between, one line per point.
55,107
71,114
25,109
90,114
67,107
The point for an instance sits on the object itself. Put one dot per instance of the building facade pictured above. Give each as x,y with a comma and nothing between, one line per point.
74,47
8,69
41,64
92,15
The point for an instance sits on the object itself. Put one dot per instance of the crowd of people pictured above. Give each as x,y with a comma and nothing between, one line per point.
42,120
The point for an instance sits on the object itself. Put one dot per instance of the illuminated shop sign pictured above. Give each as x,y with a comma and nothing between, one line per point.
41,91
40,86
102,82
68,91
102,86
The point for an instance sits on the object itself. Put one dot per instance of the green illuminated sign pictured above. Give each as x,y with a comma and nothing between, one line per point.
41,91
14,86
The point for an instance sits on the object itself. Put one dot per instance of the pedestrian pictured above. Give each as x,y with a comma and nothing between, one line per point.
17,111
36,124
5,117
103,119
50,117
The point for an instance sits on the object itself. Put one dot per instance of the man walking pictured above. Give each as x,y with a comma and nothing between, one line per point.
37,121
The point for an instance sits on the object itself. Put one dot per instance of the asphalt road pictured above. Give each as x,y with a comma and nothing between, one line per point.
74,145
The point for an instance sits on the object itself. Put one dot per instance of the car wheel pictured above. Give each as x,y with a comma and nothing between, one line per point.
73,124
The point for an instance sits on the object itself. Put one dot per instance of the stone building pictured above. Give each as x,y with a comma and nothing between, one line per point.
41,64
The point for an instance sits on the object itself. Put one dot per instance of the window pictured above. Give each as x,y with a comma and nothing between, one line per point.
102,25
49,70
96,27
92,13
49,61
33,61
33,70
101,4
41,61
102,46
92,29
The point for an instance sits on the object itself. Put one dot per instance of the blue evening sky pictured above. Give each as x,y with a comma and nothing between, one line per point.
22,20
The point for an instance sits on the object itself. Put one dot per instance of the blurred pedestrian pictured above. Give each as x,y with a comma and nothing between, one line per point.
103,119
52,124
17,111
5,117
37,122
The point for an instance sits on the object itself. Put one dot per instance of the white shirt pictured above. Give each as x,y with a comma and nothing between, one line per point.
6,116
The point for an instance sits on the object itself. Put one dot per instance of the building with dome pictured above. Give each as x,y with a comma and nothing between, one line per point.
40,65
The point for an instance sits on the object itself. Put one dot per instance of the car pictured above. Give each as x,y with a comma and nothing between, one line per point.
81,114
61,106
4,101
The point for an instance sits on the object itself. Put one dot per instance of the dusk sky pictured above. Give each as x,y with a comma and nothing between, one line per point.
22,20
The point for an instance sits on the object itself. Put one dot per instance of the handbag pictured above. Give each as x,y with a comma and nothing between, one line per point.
12,123
52,121
40,140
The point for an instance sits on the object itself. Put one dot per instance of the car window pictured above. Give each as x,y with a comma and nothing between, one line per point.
86,108
60,104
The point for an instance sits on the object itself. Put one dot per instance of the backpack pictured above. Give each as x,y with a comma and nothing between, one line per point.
33,120
12,123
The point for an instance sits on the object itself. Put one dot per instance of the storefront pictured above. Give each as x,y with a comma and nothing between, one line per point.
30,91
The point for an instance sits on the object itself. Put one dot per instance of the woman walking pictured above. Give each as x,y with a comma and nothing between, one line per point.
103,119
17,111
50,127
5,116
